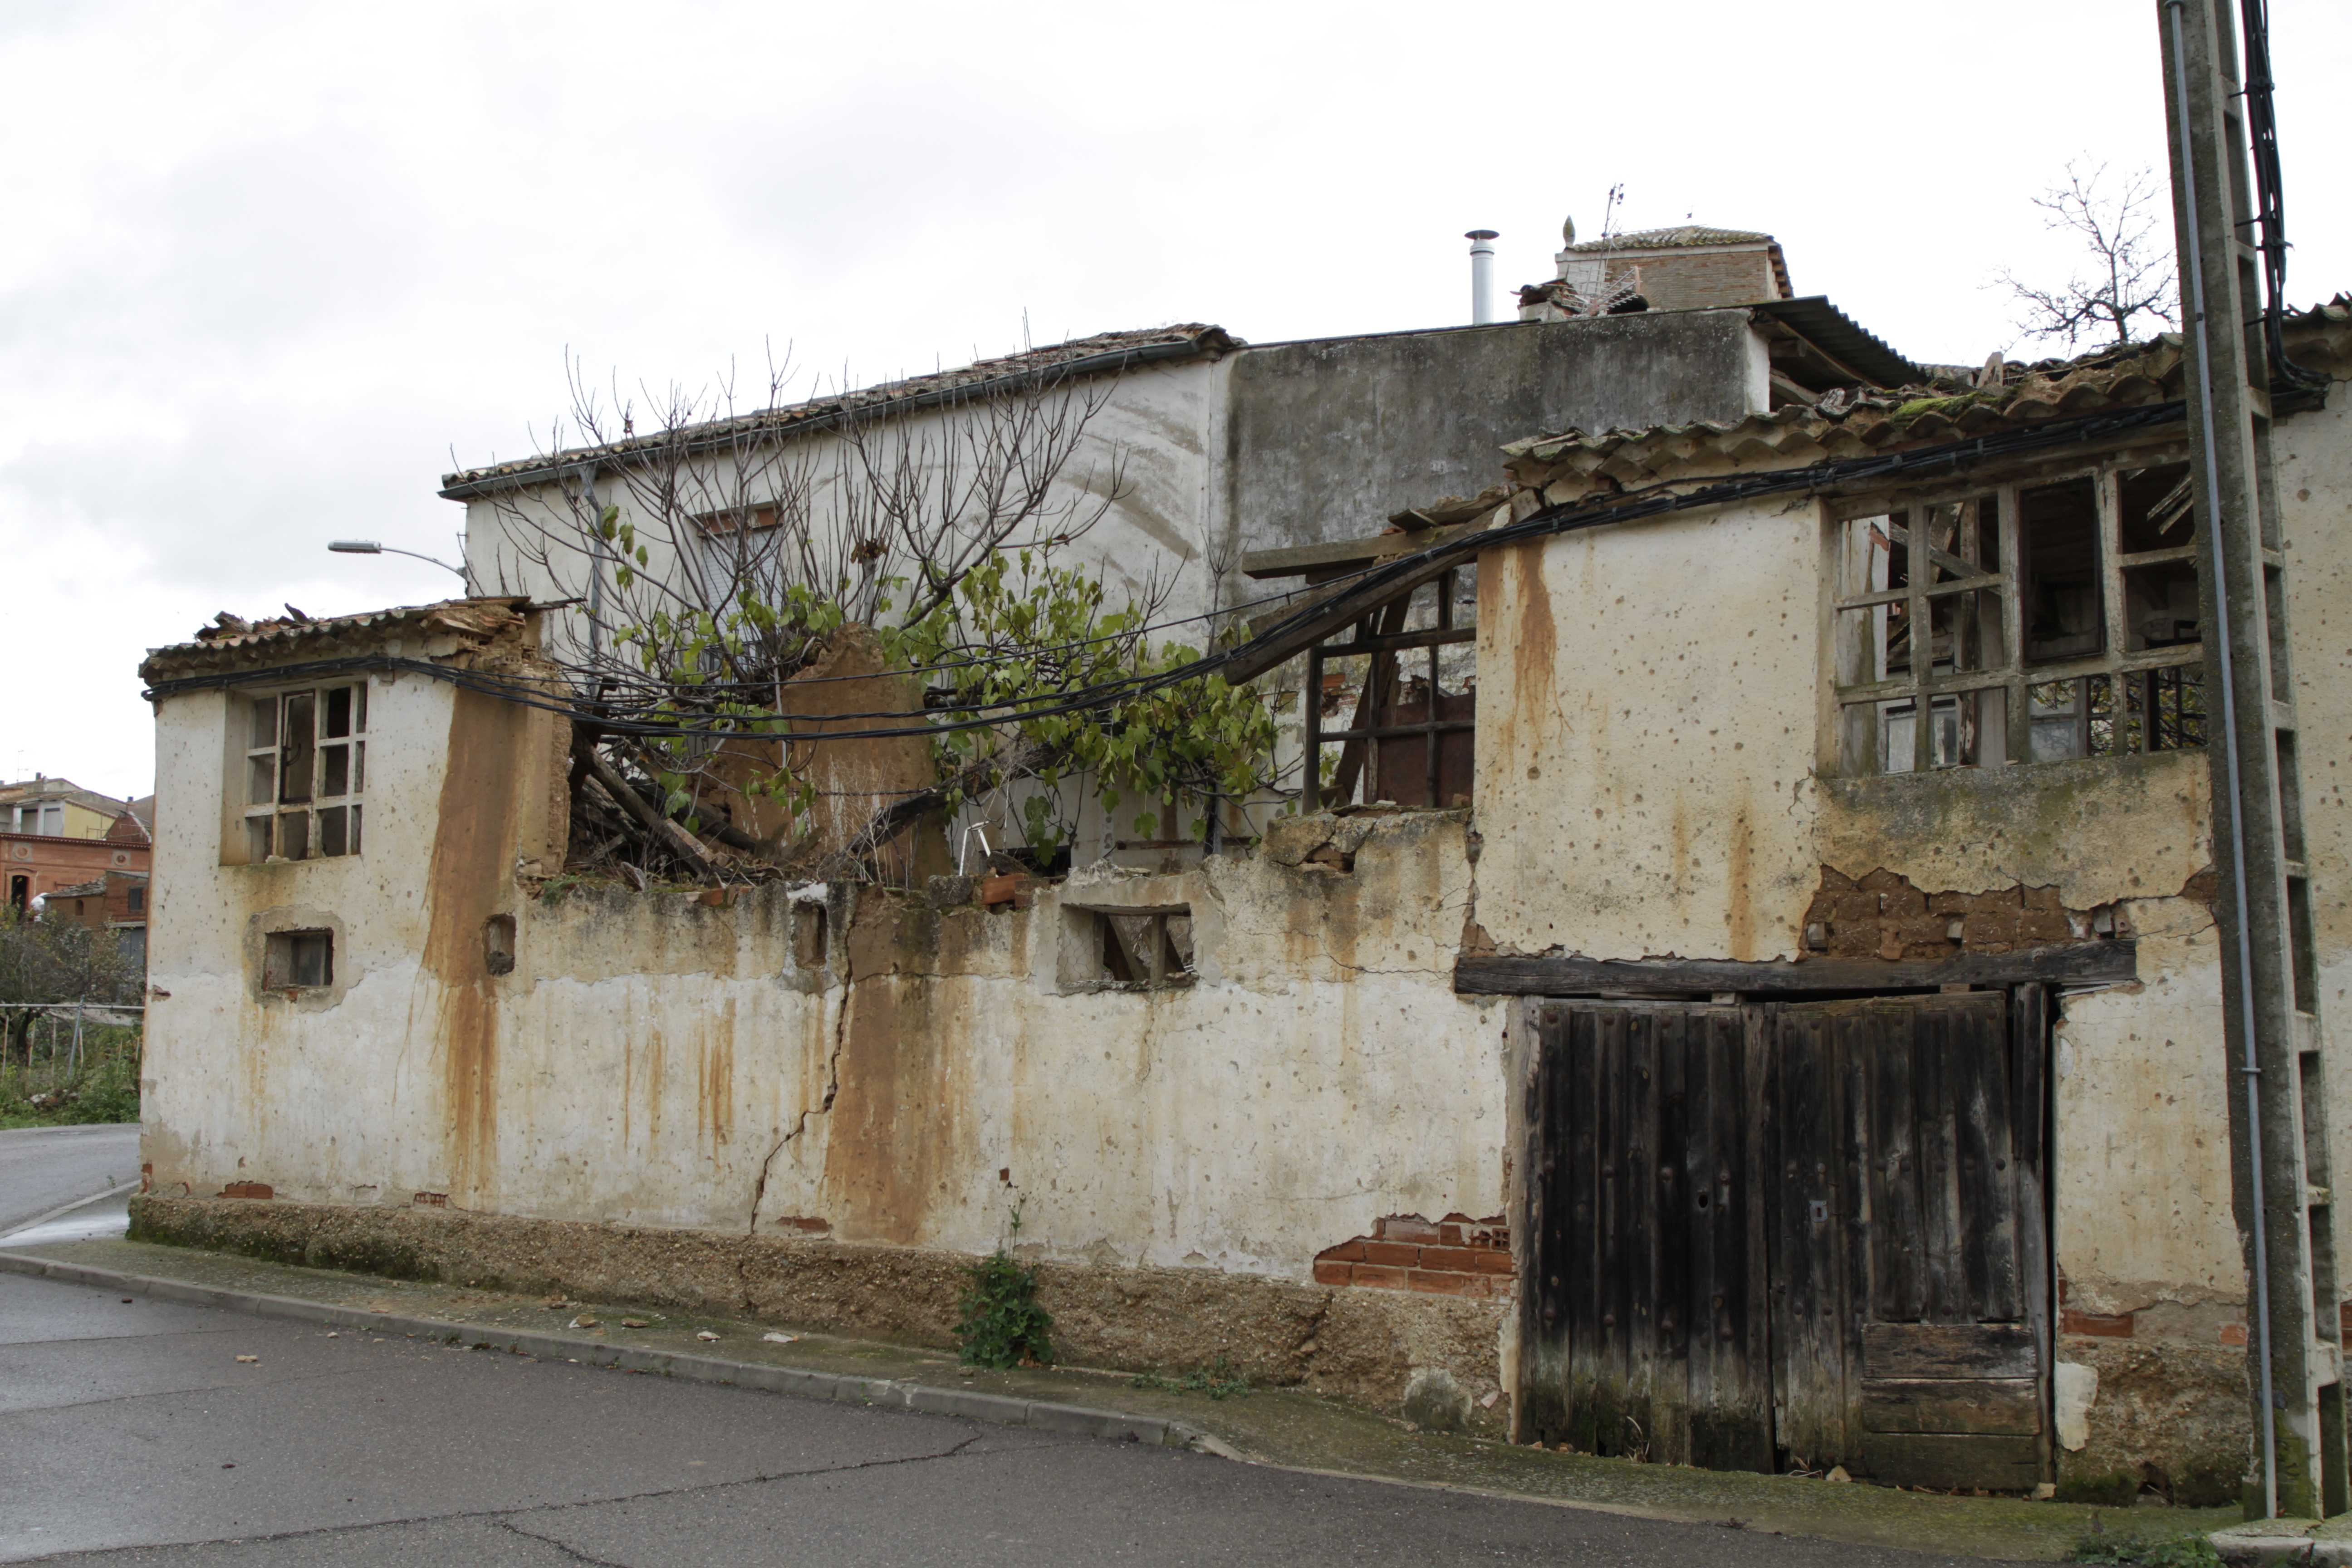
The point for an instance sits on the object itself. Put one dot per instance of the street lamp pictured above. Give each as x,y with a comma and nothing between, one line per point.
369,547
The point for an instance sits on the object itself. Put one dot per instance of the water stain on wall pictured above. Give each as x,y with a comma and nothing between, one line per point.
465,886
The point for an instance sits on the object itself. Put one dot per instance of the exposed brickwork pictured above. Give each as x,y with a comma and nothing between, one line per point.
1882,915
249,1190
2098,1324
431,1200
2235,1335
1457,1255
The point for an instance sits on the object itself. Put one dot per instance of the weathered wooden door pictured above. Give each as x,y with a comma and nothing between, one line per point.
1807,1234
1910,1273
1643,1317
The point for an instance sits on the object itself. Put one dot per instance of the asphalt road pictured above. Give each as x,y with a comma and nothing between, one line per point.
138,1432
132,1431
45,1168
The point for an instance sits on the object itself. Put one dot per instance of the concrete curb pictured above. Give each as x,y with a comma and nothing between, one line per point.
895,1393
2262,1549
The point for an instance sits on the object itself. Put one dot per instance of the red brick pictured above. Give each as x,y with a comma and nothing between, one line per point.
2234,1334
1379,1276
431,1200
1438,1284
249,1190
1490,1236
1003,889
1409,1228
1449,1233
1458,1259
1345,1252
1328,1271
1394,1254
2111,1328
1494,1262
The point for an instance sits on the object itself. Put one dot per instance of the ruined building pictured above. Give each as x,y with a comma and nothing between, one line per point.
1738,984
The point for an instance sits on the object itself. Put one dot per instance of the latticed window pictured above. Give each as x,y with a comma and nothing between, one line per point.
2020,623
305,769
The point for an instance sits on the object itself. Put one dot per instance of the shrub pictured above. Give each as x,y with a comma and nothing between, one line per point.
1003,1325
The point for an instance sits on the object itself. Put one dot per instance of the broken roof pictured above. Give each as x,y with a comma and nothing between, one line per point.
1104,353
231,639
1856,422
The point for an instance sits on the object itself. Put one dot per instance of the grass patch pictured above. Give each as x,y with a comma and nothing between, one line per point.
1218,1380
2139,1552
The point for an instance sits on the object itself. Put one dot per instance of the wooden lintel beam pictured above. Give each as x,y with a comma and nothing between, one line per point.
1345,554
2069,963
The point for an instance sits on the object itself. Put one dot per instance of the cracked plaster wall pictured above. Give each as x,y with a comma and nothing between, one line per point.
1650,699
659,1061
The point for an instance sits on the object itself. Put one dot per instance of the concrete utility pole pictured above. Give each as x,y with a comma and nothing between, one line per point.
2278,1121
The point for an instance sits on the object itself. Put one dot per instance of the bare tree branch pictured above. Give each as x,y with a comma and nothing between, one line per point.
2129,279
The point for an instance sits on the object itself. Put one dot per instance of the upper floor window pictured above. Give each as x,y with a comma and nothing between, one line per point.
2020,623
305,768
49,819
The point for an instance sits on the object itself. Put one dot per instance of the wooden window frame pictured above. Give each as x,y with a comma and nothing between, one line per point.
269,828
1856,749
1381,635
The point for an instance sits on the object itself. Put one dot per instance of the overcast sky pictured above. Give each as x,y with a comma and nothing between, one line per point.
266,266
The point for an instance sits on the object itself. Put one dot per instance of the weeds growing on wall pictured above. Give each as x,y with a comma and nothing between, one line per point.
1002,1326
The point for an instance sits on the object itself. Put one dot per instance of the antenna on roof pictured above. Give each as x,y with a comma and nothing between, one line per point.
1609,211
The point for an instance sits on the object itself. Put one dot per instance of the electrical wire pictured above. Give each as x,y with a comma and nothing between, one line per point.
2270,199
1947,457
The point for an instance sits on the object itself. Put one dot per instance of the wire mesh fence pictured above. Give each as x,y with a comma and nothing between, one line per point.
68,1062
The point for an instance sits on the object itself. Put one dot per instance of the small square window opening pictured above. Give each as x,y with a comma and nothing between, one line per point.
1145,952
295,961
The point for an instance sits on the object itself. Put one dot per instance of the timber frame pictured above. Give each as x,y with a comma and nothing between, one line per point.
2102,963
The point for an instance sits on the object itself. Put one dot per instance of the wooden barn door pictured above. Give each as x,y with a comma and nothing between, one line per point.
1800,1234
1643,1312
1910,1275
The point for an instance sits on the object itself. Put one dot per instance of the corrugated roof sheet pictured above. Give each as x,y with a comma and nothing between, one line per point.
1843,339
1852,422
1103,353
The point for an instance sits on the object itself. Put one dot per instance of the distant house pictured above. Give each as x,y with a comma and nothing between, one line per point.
56,836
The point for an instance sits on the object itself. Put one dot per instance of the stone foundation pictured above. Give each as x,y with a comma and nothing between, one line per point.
1364,1346
2167,1417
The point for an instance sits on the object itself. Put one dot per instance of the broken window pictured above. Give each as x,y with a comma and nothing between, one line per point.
1407,739
298,960
1144,952
2020,623
304,770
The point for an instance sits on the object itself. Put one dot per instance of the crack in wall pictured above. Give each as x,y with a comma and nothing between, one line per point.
832,1088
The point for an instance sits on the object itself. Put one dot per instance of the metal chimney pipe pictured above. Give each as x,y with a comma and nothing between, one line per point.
1482,275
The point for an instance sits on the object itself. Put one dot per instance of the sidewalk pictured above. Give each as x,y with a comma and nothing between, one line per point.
1264,1426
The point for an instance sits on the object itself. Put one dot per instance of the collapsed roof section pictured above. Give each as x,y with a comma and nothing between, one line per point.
1856,421
439,630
